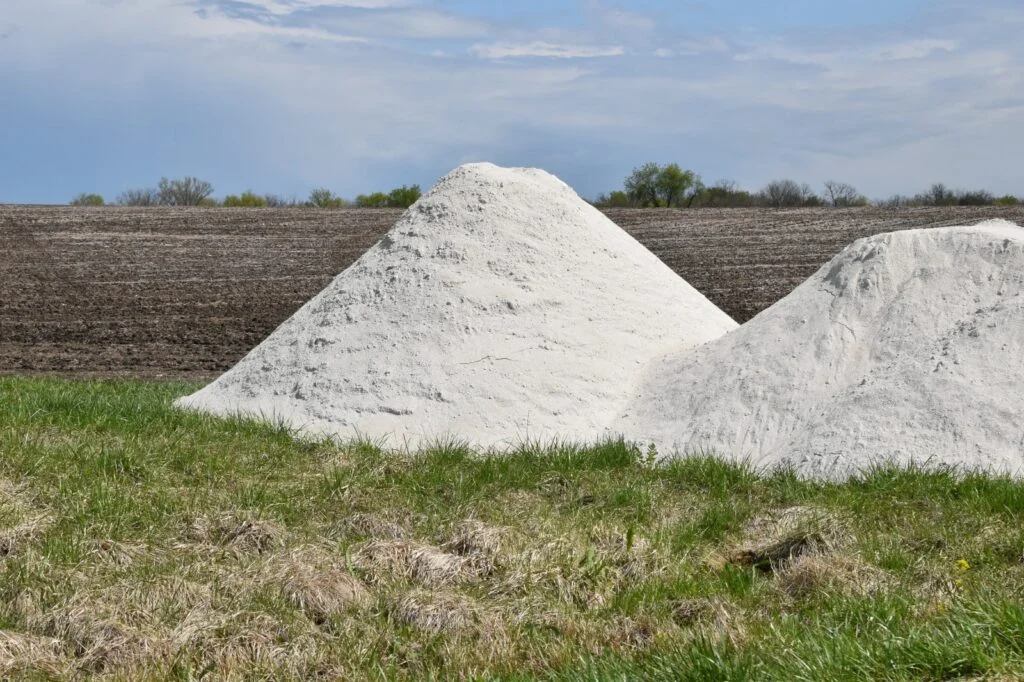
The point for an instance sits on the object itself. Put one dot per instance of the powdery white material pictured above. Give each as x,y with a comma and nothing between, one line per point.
907,346
500,308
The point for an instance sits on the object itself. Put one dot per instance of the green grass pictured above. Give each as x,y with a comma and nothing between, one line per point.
139,542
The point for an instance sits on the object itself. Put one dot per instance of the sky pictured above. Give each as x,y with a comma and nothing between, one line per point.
283,96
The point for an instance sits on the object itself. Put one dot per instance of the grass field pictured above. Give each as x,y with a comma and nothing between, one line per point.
137,542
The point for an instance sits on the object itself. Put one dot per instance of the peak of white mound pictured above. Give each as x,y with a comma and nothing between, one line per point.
501,307
906,347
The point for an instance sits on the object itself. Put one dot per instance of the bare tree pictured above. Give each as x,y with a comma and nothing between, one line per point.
940,195
188,191
277,201
895,201
841,194
786,193
139,197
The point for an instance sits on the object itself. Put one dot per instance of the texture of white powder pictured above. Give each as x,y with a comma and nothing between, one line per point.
500,308
906,347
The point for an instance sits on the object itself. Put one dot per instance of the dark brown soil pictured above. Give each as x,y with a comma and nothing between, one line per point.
187,292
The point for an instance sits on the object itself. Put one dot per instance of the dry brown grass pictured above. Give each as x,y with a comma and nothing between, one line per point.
99,637
478,542
776,539
22,654
239,531
315,582
438,611
816,575
377,525
409,561
22,518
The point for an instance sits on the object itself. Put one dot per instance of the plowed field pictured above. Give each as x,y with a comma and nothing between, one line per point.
187,292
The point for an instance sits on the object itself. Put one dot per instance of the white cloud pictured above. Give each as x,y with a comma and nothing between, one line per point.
621,20
540,48
885,50
289,6
411,23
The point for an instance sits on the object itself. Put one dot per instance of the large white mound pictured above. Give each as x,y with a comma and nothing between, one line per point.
500,308
906,347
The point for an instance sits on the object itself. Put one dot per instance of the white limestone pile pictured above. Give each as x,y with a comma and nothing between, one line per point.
906,347
500,308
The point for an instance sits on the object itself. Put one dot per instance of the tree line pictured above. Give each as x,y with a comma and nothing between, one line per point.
651,185
190,191
670,186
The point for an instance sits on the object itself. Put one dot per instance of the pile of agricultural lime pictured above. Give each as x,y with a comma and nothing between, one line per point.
500,308
906,347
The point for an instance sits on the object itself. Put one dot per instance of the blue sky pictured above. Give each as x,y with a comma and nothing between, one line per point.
358,95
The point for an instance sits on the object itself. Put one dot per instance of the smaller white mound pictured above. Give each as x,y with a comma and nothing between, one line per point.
907,348
500,308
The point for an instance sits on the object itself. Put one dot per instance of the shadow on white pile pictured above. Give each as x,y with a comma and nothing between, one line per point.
906,347
501,308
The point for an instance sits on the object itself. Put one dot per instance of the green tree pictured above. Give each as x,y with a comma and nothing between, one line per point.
672,183
85,199
247,199
723,194
642,185
404,197
375,200
616,199
325,198
694,193
1008,200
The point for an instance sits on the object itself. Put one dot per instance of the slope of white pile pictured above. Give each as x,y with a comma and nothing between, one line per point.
907,347
501,308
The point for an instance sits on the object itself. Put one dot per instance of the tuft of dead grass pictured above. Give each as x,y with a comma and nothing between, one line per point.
687,612
97,638
634,633
848,576
21,654
117,553
478,542
778,538
314,582
403,560
22,518
252,640
437,611
238,531
376,526
120,626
